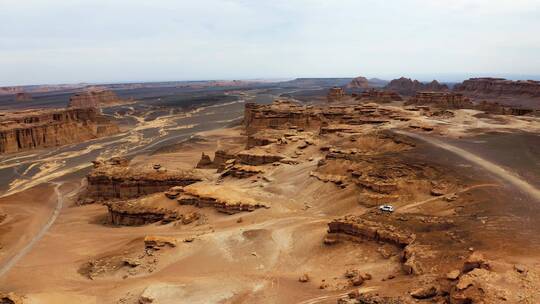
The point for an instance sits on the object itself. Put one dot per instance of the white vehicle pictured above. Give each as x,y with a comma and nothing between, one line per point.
386,208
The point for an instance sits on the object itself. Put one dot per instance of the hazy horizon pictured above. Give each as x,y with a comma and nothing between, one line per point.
60,42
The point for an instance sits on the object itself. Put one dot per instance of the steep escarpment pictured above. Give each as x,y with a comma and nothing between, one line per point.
114,179
94,99
26,130
409,87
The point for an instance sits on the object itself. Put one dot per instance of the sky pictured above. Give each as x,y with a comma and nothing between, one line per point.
72,41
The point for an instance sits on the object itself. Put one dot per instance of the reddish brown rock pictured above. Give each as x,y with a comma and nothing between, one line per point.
358,83
379,96
409,87
499,87
335,94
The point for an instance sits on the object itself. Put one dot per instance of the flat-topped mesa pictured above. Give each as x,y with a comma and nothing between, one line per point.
34,129
223,199
119,181
335,94
499,87
409,87
445,100
94,99
280,115
22,96
379,96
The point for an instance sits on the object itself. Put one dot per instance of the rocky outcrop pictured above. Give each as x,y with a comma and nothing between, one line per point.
222,199
335,94
358,83
10,298
360,228
131,213
499,87
22,96
409,87
444,100
257,158
113,180
205,162
94,99
378,96
27,130
279,115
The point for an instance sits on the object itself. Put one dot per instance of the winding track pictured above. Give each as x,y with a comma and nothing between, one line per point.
495,169
59,204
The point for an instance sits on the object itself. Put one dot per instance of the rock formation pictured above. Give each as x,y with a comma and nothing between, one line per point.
225,200
358,83
335,94
114,180
378,96
27,130
364,229
499,87
94,99
131,213
444,100
409,87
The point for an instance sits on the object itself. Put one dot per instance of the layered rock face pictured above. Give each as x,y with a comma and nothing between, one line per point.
131,214
361,228
94,99
409,87
116,180
443,100
497,108
499,87
280,114
21,131
23,97
358,83
225,200
335,94
379,96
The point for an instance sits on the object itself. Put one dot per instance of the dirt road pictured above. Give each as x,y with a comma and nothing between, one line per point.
59,204
495,169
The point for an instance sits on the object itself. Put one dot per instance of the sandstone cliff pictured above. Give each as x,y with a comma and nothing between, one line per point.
116,180
409,87
335,94
26,130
